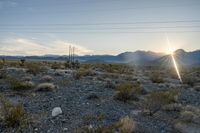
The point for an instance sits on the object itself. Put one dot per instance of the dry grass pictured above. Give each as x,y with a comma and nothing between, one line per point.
18,85
82,73
3,74
155,100
128,91
127,125
56,65
35,68
47,78
46,87
189,80
11,115
156,77
124,125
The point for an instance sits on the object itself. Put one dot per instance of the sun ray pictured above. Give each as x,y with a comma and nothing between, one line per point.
173,59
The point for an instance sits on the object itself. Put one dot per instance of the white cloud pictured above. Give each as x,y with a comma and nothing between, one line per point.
22,46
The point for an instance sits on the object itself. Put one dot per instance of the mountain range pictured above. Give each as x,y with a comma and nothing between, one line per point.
137,58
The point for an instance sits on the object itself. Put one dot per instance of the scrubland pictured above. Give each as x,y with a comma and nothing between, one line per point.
98,98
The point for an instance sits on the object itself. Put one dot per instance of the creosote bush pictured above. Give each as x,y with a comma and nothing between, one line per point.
128,91
3,73
124,125
156,77
56,65
35,68
189,80
12,115
82,73
46,87
155,100
18,85
1,65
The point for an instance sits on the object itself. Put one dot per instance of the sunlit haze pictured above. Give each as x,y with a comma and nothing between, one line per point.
36,27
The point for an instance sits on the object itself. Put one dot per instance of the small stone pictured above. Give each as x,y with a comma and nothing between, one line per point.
90,127
65,129
56,111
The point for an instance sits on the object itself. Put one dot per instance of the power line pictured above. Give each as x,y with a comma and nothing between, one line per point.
108,32
97,28
105,23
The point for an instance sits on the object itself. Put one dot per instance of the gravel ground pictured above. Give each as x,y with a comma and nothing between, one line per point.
78,110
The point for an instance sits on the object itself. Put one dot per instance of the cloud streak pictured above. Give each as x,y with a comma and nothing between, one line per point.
21,46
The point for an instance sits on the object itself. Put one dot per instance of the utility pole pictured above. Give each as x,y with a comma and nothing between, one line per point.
69,53
73,53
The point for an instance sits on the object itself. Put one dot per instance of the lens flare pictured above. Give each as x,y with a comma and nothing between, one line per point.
173,59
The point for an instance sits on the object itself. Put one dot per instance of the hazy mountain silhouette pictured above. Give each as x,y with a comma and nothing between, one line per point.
182,57
137,58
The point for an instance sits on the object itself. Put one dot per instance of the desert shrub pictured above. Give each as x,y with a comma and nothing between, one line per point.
18,85
190,114
12,63
189,80
82,73
187,116
35,68
128,91
1,65
124,125
110,84
172,107
27,78
67,64
11,115
124,92
3,74
47,78
116,68
76,64
22,62
46,87
56,65
155,100
92,96
156,77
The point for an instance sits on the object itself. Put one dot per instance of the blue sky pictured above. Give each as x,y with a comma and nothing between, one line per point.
38,27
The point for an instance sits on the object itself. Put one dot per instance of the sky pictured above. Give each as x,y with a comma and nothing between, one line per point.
40,27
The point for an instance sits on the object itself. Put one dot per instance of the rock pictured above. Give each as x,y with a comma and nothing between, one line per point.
65,129
136,112
56,111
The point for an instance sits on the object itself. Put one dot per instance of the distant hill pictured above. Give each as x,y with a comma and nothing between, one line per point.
137,58
140,57
182,57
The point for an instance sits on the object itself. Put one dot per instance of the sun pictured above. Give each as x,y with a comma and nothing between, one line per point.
170,50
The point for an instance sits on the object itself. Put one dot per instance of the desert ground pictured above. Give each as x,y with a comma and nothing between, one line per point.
56,97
